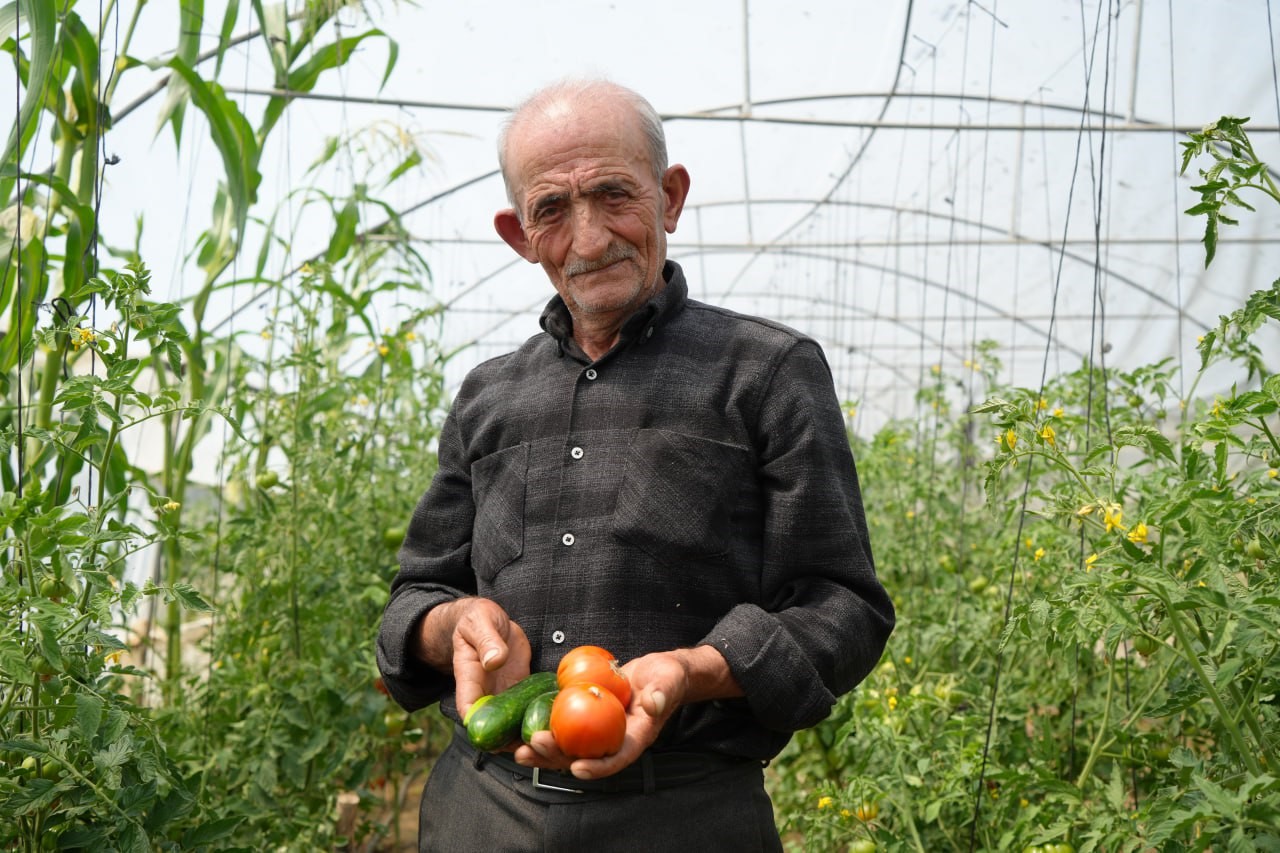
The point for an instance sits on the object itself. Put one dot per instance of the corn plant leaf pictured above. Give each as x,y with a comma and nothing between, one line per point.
305,76
41,18
229,16
234,139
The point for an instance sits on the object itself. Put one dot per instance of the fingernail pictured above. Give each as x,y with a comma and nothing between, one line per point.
488,656
659,702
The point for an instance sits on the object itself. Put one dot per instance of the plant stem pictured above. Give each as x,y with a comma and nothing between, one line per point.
1188,654
1095,750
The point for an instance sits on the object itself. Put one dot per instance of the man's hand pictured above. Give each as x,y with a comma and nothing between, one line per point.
474,639
660,683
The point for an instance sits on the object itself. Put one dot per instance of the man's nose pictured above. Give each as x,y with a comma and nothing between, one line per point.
590,234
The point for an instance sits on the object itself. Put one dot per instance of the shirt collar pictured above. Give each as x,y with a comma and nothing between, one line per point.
642,325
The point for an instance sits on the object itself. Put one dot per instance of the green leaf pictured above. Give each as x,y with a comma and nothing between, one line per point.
88,715
42,25
304,77
344,232
1210,239
211,832
234,139
189,598
229,17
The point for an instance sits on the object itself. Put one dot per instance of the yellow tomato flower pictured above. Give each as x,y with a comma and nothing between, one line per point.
383,349
1112,518
1057,412
1042,404
1011,439
410,336
824,802
907,660
1089,561
1047,433
935,369
1273,473
846,813
1139,533
893,703
911,513
1038,554
1084,510
266,334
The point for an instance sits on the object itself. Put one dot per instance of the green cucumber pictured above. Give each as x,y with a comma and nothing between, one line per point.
537,717
497,722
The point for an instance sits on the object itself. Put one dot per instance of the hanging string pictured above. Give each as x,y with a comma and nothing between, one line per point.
1174,208
220,475
16,250
1026,489
840,179
1271,40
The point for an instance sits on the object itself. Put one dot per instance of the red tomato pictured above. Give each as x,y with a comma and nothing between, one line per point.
588,721
593,665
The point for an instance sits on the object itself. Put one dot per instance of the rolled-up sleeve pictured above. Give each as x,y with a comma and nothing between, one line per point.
823,617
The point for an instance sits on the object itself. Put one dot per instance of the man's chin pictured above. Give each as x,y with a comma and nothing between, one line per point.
606,298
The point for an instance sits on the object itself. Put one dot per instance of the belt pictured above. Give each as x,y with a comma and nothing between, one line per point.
651,772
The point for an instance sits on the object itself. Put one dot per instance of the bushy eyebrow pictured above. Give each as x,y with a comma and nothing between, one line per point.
547,201
608,187
551,200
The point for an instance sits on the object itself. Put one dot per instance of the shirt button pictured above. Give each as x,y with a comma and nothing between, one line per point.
557,637
591,373
567,539
576,453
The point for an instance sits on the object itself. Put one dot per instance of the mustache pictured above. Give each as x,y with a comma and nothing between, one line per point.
616,252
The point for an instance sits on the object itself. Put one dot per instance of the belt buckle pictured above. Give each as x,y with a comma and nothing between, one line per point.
538,783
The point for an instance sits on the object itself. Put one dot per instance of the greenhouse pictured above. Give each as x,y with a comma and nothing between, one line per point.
253,252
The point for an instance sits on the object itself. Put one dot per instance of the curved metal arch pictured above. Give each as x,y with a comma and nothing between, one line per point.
1050,246
945,288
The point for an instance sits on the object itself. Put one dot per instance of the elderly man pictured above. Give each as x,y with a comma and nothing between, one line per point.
665,479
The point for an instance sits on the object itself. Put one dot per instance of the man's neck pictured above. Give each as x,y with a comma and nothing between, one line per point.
596,340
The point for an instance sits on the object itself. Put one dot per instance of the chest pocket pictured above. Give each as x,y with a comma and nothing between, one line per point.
497,487
677,495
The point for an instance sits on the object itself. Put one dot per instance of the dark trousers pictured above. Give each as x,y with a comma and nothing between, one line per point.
479,807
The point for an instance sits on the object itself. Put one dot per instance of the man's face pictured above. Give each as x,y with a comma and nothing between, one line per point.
592,212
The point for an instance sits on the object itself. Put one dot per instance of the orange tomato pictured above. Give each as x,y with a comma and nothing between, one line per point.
588,721
593,665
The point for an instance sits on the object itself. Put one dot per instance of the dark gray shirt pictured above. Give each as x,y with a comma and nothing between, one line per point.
693,486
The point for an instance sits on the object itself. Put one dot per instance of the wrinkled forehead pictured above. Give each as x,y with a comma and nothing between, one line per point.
579,132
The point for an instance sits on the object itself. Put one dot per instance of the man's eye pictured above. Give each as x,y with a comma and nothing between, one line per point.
547,214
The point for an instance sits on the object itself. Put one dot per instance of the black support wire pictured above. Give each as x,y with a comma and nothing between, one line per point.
1026,489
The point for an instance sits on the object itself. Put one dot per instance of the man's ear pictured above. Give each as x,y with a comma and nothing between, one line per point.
675,189
511,231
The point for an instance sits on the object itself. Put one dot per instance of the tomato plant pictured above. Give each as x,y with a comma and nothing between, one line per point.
588,721
594,665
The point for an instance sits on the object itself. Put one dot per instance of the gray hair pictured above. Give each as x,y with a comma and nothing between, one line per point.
566,91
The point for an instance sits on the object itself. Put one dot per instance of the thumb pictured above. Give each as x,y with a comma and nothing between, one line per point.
491,656
654,703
